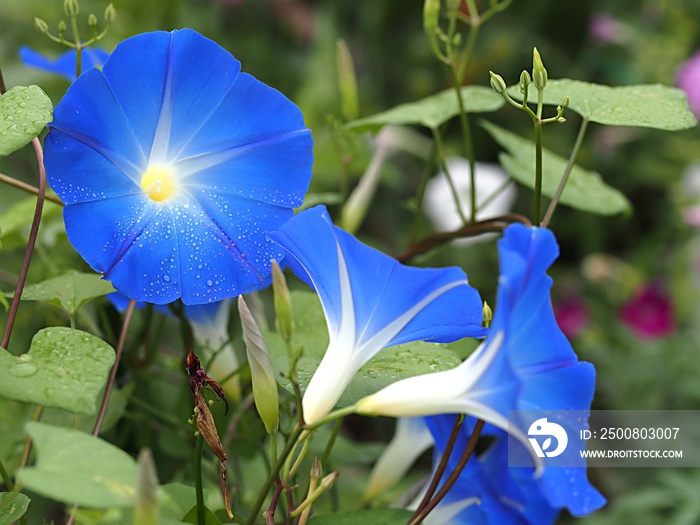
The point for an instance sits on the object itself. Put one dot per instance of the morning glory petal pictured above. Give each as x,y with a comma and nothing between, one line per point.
92,176
88,104
172,89
65,64
526,364
117,135
370,302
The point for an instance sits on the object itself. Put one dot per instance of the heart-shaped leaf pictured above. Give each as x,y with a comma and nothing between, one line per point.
13,505
434,110
69,291
648,106
64,368
78,468
585,189
24,112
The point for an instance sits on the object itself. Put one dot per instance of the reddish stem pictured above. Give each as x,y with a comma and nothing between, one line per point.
33,232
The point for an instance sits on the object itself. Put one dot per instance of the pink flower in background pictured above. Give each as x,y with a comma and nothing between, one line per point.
603,28
649,313
572,317
688,79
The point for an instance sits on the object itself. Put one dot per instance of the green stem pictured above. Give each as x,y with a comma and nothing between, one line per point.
567,172
331,440
468,143
199,489
78,47
28,188
273,448
6,479
450,182
494,194
255,509
538,173
475,22
418,218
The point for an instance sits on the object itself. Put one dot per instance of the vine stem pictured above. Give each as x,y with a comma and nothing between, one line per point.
28,188
274,473
443,164
538,159
567,172
468,143
199,489
31,242
419,516
115,366
442,465
494,224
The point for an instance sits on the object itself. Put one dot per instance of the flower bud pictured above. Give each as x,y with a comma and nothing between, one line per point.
539,73
524,81
497,83
41,26
146,505
262,374
283,303
110,13
488,314
565,104
71,8
431,15
61,27
92,20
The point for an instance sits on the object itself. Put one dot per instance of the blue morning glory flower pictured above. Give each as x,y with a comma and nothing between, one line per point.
488,491
370,302
526,364
64,65
173,166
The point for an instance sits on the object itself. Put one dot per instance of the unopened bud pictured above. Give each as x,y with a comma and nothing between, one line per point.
539,73
146,505
329,480
497,83
316,469
110,13
488,314
524,81
431,15
41,26
61,28
92,20
283,303
561,120
261,372
71,8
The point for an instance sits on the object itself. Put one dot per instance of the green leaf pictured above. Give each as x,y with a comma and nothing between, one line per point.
433,110
585,189
13,505
209,517
363,517
64,368
20,215
78,468
647,106
69,291
388,366
24,112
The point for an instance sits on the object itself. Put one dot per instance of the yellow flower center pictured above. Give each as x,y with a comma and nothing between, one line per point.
159,183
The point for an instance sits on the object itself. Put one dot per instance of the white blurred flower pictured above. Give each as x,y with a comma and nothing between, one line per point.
439,205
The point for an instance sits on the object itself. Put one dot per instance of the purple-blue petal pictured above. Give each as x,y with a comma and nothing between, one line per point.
159,95
65,64
382,289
